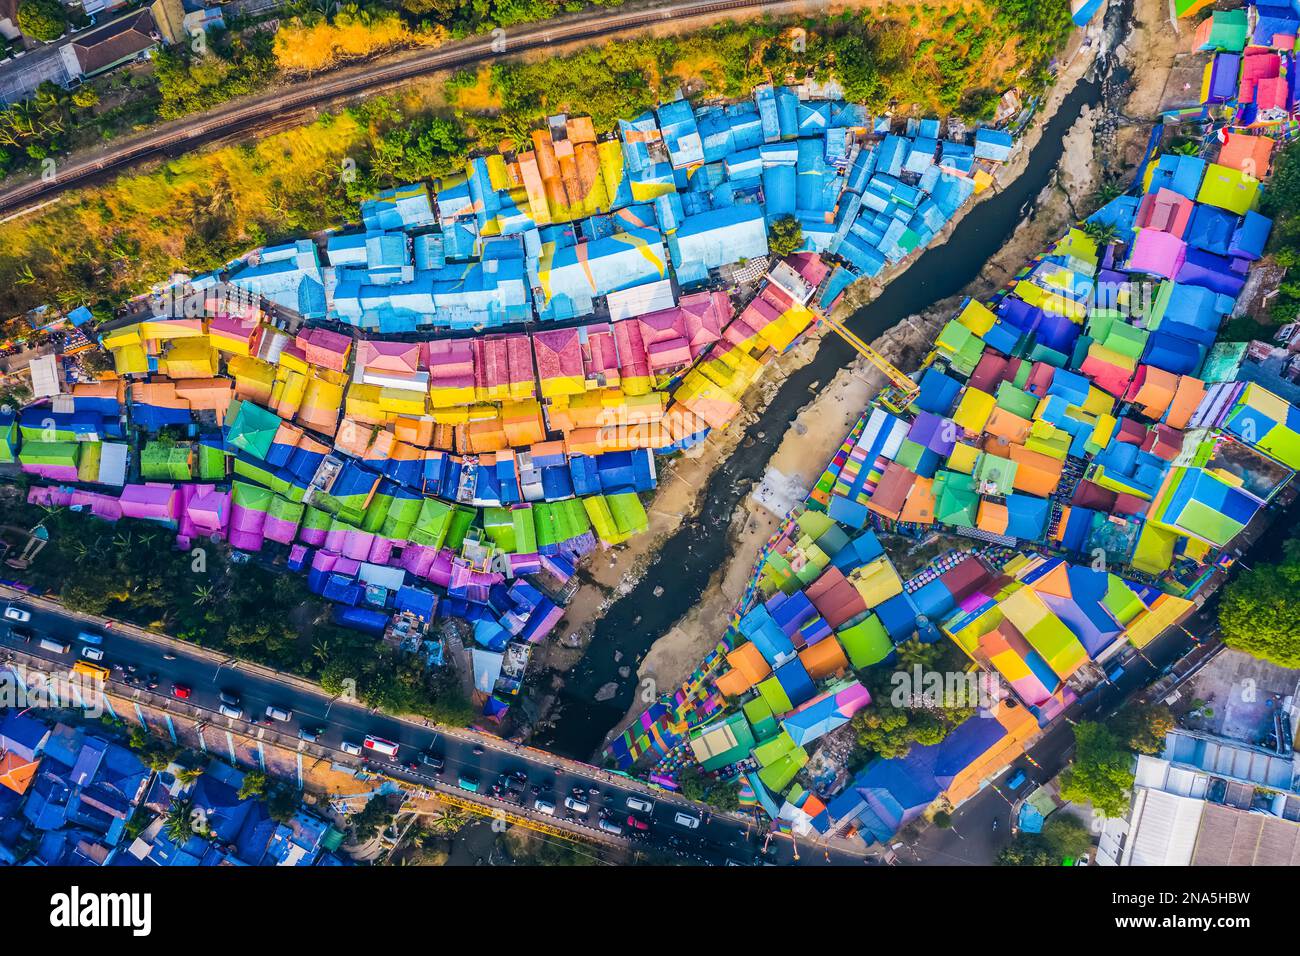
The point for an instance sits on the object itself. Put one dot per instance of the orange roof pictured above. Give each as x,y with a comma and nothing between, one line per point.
17,773
733,683
1247,154
1007,425
824,658
1186,400
1036,473
992,517
749,660
919,507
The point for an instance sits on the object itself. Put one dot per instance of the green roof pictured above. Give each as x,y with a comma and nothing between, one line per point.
866,642
253,429
164,462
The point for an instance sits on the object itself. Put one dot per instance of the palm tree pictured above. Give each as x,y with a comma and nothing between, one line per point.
204,594
1102,233
1110,189
1188,148
180,821
189,774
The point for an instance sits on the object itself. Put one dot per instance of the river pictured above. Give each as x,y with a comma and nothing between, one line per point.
688,559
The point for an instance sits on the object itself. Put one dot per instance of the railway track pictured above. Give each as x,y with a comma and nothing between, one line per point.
279,108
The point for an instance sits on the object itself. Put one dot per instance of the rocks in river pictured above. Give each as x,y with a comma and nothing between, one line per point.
624,671
658,591
607,691
618,656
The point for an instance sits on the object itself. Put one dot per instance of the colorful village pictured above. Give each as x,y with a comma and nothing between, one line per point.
1083,433
439,415
312,399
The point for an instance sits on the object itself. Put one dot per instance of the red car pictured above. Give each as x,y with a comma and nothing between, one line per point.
637,824
181,691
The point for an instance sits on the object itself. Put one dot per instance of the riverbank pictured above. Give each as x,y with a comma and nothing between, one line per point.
717,548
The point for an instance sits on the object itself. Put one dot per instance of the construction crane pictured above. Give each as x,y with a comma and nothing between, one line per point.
902,389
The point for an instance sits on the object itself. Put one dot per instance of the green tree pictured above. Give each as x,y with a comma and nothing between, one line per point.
1260,613
1100,774
1066,836
785,236
1026,849
1142,727
179,825
43,20
254,784
283,802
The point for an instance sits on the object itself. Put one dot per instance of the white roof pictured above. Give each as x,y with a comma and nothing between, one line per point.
45,376
112,464
641,300
1164,829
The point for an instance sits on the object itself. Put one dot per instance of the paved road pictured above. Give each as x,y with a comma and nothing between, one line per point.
283,107
719,839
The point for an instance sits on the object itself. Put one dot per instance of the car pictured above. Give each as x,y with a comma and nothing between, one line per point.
468,782
1017,780
609,826
431,761
227,711
380,746
90,637
576,805
15,613
640,805
227,697
686,820
636,823
544,806
20,633
181,692
348,747
92,653
310,734
279,713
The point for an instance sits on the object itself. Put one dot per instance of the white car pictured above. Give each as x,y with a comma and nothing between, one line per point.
686,820
576,805
348,747
233,712
278,713
639,805
17,614
92,653
544,806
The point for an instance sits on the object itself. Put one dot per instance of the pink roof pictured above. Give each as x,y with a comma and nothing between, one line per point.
325,348
150,500
599,349
1157,253
401,357
558,353
809,265
633,361
454,355
1166,211
1257,66
704,314
232,328
1272,94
